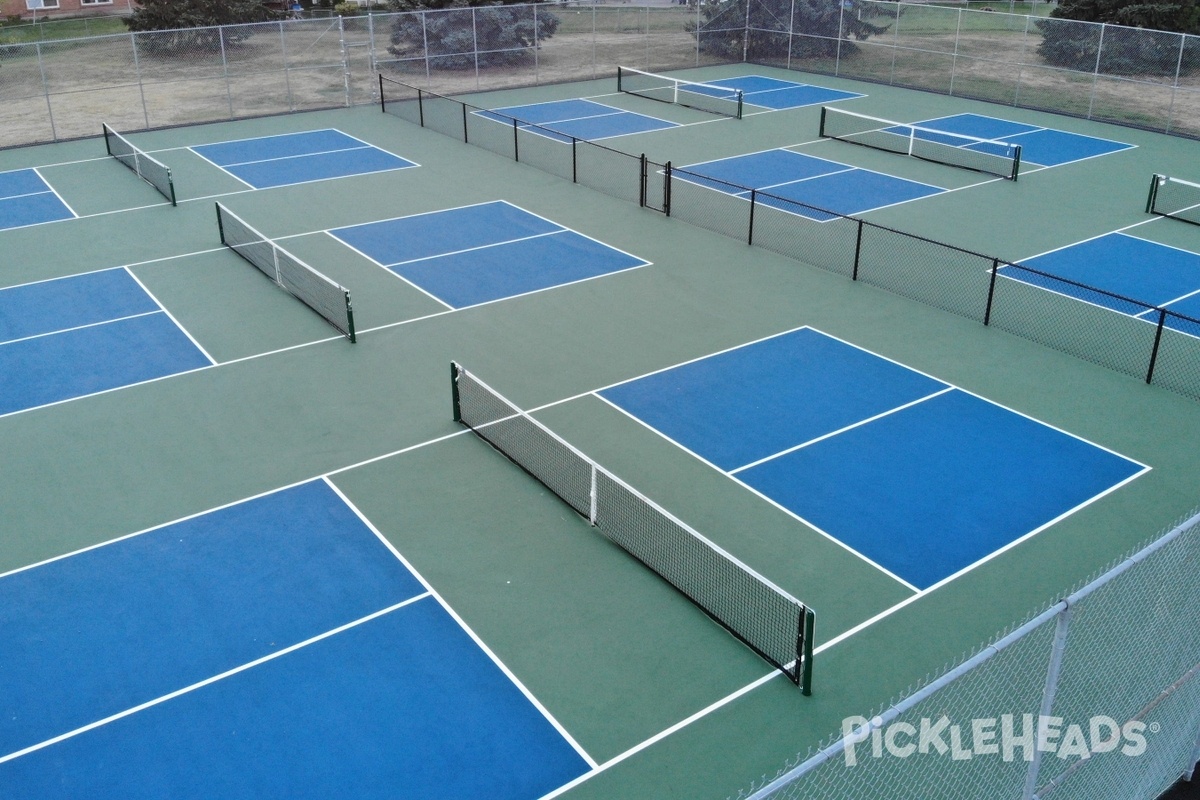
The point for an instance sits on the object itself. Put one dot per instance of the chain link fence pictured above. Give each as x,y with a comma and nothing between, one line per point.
1094,699
1129,76
58,89
63,88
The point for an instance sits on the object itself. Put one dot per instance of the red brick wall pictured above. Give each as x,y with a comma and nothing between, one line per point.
11,8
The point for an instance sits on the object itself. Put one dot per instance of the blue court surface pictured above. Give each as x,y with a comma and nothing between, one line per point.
290,158
918,477
26,199
1044,146
805,185
477,254
275,647
778,95
1148,274
578,119
74,336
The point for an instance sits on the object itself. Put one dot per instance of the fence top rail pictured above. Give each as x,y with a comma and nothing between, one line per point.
982,655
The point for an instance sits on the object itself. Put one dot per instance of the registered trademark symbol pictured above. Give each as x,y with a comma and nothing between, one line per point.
1155,727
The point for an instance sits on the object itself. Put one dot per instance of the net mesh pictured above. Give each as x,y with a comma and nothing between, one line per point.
303,282
969,152
701,96
769,622
146,166
543,455
772,623
1172,197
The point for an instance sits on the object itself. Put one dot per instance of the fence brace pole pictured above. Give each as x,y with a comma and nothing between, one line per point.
1061,627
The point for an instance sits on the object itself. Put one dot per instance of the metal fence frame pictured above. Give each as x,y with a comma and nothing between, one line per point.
61,89
1068,659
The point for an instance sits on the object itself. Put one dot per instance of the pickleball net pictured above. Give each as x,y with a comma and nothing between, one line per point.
148,168
957,150
702,96
1174,198
769,621
318,292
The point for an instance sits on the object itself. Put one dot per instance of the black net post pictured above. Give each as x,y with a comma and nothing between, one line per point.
454,391
421,106
987,313
1162,319
382,101
350,318
1016,164
821,129
1154,182
805,651
574,160
464,116
516,141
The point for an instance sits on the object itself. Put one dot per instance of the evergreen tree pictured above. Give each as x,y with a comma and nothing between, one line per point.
192,21
1147,43
825,25
457,37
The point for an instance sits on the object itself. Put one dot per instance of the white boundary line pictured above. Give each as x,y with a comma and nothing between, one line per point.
429,592
1148,307
561,230
49,186
789,512
171,317
545,712
324,340
473,249
293,156
211,680
834,215
682,723
284,135
949,387
73,328
47,190
760,152
843,429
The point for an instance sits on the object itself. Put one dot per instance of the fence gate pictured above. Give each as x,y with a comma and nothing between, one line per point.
656,185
